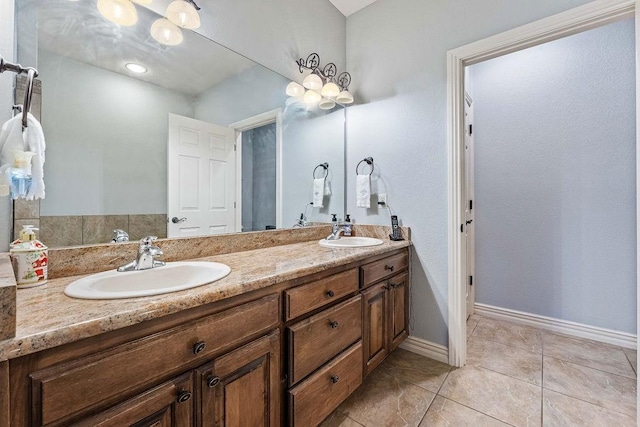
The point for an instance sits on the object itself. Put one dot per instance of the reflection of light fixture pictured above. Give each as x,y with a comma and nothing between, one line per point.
136,68
311,97
183,14
142,1
166,32
121,12
333,89
295,89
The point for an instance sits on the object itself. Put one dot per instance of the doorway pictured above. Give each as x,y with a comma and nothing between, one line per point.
576,20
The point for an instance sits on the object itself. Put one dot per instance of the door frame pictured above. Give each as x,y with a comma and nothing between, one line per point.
582,18
273,116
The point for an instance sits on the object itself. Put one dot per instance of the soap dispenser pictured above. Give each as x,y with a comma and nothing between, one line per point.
29,258
347,225
20,174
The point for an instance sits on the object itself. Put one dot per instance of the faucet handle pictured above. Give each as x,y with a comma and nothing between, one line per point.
146,242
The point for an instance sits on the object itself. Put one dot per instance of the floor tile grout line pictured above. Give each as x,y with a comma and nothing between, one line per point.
590,403
506,345
629,360
473,409
510,376
590,367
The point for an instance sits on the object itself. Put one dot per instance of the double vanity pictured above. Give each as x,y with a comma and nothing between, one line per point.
286,336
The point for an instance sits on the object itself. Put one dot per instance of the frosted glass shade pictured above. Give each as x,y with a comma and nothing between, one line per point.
121,12
143,1
326,104
311,97
295,89
312,81
330,90
344,97
183,14
166,33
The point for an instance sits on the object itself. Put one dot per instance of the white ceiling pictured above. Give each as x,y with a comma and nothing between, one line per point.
347,7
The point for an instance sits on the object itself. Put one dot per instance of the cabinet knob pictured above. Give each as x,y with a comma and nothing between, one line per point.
335,379
389,267
392,285
183,396
330,294
199,347
213,381
333,324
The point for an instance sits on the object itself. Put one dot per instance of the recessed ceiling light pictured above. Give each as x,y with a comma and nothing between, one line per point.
136,68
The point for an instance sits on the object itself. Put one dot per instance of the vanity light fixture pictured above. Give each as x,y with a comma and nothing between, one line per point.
166,32
121,12
324,85
136,68
184,13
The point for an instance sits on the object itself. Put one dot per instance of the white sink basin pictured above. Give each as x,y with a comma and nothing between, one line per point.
350,242
173,277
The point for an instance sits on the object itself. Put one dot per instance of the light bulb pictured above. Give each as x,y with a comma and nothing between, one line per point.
312,81
183,14
311,97
330,90
121,12
344,97
136,68
166,33
326,104
295,89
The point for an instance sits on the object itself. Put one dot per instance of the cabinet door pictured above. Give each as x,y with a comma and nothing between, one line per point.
242,388
398,305
375,336
169,404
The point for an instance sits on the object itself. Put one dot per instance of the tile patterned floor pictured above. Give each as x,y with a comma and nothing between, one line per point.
515,376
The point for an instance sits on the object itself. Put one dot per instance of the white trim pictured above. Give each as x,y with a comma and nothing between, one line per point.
579,330
426,348
588,16
273,116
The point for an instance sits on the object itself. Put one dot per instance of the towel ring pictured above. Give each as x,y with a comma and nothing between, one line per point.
367,160
325,166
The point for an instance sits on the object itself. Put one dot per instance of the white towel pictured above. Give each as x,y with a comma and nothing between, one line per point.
363,191
327,187
318,192
34,141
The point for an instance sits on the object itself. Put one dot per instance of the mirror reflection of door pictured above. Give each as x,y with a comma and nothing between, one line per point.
258,166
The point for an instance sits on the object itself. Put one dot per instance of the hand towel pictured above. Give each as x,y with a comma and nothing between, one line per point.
318,192
11,139
34,141
363,191
327,187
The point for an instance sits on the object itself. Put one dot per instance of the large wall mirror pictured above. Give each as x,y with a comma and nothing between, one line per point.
205,136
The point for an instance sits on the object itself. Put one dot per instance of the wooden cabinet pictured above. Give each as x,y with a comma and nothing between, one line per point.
242,388
385,308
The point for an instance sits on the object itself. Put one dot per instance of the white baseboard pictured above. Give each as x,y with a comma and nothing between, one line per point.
566,327
426,348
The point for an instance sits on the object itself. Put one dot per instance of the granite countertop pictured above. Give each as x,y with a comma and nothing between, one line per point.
47,318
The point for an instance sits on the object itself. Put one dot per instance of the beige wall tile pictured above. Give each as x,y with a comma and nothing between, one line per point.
23,209
99,228
56,231
147,225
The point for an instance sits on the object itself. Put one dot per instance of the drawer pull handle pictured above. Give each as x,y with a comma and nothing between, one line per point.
199,347
330,294
392,285
335,379
213,381
333,324
389,267
183,396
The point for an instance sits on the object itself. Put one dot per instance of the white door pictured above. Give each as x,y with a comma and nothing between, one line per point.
201,178
469,209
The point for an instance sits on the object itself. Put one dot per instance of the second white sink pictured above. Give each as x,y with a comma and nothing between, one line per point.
173,277
350,242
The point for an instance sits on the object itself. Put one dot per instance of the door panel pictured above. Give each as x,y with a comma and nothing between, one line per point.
469,198
399,293
375,300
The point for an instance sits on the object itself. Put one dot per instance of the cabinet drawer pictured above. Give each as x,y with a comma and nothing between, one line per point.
102,379
372,272
308,297
319,338
316,397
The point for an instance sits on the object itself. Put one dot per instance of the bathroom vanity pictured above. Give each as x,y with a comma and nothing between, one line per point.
282,340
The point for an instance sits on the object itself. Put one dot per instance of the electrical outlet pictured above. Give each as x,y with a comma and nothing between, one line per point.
382,199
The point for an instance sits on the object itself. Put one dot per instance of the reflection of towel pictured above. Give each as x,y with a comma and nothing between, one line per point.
318,192
327,187
10,140
34,141
363,191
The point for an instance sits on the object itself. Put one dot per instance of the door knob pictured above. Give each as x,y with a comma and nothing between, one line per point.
176,220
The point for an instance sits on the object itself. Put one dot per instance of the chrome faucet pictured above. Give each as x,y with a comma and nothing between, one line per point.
120,236
146,254
336,231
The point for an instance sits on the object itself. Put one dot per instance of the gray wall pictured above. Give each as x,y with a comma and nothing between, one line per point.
90,139
555,179
396,52
7,49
